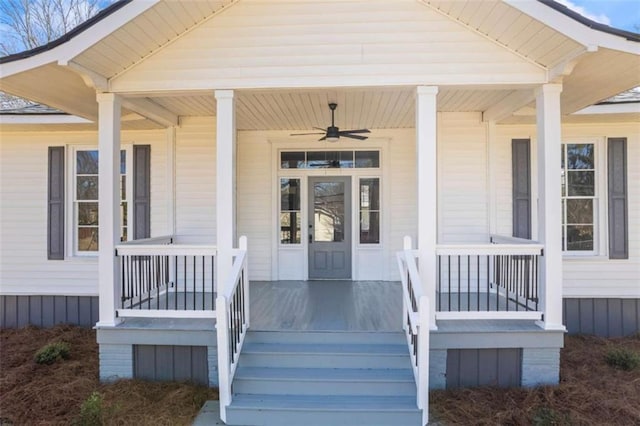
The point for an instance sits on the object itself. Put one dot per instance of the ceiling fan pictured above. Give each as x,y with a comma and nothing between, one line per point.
333,133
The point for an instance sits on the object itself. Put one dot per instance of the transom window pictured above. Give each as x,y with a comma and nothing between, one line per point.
329,159
578,197
86,200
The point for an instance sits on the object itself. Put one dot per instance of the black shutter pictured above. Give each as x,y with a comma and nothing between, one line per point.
618,217
521,171
55,204
141,191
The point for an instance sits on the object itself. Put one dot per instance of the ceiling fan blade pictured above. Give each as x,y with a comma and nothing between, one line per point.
319,128
356,131
322,139
305,134
348,135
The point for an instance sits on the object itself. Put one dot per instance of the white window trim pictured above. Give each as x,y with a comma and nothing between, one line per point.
71,232
600,229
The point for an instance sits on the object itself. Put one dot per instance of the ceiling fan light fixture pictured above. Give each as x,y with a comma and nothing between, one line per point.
333,134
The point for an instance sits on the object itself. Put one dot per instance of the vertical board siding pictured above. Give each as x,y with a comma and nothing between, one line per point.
171,363
484,367
47,311
608,317
24,265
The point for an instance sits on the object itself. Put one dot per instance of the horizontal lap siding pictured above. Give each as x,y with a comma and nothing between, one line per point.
462,179
364,40
589,277
196,180
254,206
24,268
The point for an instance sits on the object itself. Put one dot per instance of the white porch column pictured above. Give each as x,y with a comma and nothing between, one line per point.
549,134
109,206
426,152
225,181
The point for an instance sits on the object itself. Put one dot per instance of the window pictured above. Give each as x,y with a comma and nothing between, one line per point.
369,211
578,197
329,159
86,220
290,228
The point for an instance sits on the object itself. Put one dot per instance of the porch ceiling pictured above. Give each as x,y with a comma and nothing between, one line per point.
379,108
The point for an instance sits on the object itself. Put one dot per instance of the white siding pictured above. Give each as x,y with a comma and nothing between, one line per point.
24,268
195,168
592,276
315,44
462,179
254,205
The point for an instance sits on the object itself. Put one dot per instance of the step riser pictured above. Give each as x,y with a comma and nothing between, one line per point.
286,360
326,338
322,418
300,387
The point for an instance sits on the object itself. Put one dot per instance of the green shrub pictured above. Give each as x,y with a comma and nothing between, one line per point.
91,411
545,416
52,352
623,359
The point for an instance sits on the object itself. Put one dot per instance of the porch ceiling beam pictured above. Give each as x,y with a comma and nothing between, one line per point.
508,105
152,111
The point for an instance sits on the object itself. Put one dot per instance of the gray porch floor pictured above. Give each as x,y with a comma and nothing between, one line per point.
326,305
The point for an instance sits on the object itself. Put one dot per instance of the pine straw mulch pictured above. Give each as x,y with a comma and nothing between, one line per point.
590,393
33,394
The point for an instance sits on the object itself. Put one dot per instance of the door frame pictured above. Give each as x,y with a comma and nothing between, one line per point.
278,251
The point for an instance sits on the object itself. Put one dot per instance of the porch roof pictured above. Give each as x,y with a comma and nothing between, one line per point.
128,33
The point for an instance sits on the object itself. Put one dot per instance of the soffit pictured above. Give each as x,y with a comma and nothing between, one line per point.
511,28
145,34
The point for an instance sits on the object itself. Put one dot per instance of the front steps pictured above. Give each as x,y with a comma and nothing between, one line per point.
324,378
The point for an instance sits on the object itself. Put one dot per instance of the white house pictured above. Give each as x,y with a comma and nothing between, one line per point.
432,192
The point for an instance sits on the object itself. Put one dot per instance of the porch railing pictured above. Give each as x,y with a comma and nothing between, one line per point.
232,305
496,280
161,279
415,314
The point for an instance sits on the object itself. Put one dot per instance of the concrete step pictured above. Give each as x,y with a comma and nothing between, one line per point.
310,410
325,355
324,381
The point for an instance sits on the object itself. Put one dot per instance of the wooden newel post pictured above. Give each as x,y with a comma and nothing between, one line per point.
243,244
423,358
224,382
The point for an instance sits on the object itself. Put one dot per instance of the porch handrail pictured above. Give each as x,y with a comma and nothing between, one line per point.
505,239
232,307
489,249
415,317
162,279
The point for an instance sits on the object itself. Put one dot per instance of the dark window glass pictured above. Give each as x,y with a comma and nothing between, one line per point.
370,211
292,160
290,219
367,159
580,156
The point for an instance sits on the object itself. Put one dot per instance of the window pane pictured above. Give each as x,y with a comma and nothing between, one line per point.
87,162
289,194
370,194
123,162
123,236
581,183
580,156
317,160
369,227
87,239
290,228
346,159
123,214
87,213
328,211
367,159
292,160
87,187
580,211
123,187
579,237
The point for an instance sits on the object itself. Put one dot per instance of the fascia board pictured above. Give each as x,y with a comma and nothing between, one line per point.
573,29
72,48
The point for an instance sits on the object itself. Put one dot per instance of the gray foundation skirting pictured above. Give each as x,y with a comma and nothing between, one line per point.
47,311
171,363
602,317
